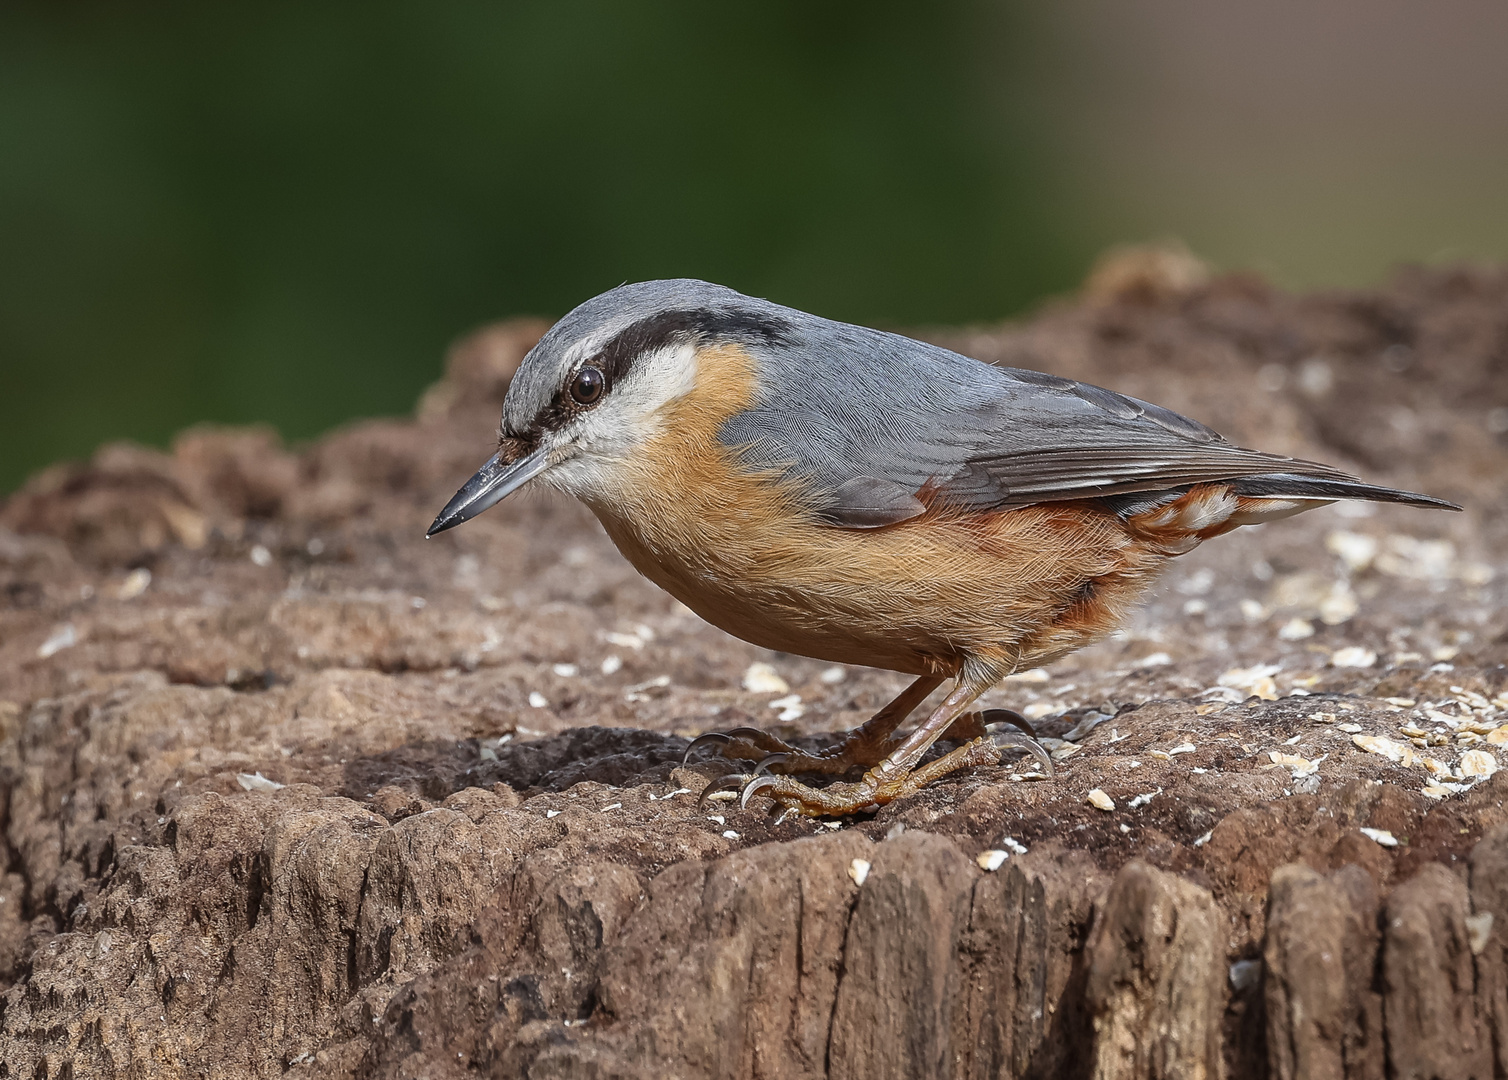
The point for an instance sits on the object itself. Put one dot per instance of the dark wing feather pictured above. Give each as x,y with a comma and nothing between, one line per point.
1075,472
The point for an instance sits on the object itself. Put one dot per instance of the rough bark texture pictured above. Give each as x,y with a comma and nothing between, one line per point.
287,791
1324,1016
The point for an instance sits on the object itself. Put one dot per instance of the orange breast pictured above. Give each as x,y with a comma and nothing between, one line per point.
1019,587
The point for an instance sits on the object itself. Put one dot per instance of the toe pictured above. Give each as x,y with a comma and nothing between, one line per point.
1005,736
769,763
992,717
754,787
711,738
724,787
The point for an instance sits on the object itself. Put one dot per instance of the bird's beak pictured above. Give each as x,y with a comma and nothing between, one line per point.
492,483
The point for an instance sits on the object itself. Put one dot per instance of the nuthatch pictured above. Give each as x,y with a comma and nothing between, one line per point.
863,498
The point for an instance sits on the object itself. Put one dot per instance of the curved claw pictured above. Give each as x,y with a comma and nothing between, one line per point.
1007,716
735,742
706,739
1003,738
763,768
754,787
727,782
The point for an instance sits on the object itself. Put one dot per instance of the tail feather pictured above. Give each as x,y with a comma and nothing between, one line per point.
1295,486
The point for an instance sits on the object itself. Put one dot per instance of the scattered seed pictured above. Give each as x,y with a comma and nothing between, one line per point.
1394,751
1255,681
1382,836
1183,748
256,782
1349,729
551,813
833,675
1339,606
135,584
858,870
1298,766
1296,630
992,860
637,692
611,806
790,707
729,834
611,664
1356,550
1143,799
762,678
1125,829
538,700
1478,763
1035,676
261,556
566,671
717,819
1014,845
1099,800
623,641
1353,656
64,637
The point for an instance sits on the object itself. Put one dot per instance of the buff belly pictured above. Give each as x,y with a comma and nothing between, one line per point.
1023,586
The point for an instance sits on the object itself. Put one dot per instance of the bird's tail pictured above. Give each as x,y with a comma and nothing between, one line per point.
1296,486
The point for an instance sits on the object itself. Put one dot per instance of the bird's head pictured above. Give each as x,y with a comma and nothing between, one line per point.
595,389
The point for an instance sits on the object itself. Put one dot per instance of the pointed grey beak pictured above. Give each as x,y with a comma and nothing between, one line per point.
492,483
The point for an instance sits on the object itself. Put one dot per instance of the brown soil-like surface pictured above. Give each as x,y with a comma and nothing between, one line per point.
287,789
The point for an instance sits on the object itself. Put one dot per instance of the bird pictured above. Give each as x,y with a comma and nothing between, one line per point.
860,497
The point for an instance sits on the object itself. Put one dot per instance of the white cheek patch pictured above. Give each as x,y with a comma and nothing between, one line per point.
634,409
630,415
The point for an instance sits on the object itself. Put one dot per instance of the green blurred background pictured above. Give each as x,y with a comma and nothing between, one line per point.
284,211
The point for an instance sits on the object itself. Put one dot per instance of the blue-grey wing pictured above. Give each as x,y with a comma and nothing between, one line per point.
874,423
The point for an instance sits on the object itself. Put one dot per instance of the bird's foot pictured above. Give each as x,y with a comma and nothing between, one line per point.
879,786
857,749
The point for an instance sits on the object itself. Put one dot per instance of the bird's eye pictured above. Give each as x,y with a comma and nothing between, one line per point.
587,386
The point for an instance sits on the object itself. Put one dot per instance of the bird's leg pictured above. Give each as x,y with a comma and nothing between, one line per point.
897,774
868,744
